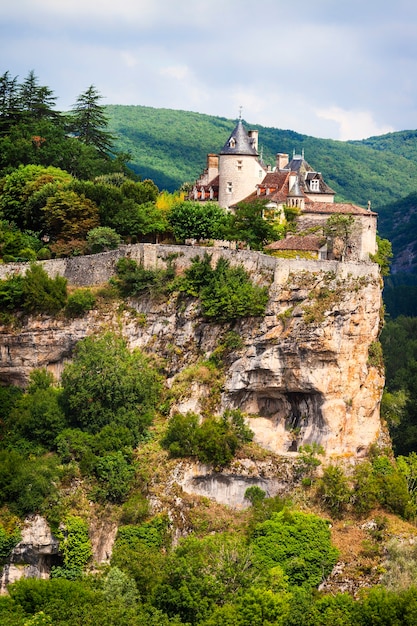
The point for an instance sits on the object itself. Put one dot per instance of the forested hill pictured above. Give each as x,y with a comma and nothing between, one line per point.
170,147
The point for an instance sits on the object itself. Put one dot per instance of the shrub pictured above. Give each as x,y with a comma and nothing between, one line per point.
298,542
133,279
41,294
215,441
103,238
333,490
106,383
8,540
226,293
79,302
75,547
115,476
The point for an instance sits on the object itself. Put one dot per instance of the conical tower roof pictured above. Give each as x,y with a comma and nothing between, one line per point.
295,191
239,142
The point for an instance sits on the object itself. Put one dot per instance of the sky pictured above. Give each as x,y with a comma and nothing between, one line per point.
338,69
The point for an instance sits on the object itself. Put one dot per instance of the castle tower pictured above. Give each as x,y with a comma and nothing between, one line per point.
239,167
295,197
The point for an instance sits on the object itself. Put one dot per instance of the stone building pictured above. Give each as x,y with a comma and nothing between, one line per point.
238,174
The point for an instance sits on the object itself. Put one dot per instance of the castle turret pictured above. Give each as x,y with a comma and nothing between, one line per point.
239,167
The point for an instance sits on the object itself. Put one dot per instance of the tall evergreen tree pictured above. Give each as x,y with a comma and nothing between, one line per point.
36,101
8,101
89,121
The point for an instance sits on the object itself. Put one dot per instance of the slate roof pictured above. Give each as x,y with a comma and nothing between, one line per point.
242,142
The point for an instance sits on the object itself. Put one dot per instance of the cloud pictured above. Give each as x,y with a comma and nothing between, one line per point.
353,124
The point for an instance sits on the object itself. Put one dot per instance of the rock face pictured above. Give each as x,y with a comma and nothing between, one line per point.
34,554
306,372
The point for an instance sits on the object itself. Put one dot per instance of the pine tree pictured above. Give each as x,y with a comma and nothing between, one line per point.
89,121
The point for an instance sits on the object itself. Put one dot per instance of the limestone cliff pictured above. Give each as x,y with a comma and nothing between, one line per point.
303,372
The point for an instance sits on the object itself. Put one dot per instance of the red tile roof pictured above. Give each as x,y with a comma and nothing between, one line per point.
296,242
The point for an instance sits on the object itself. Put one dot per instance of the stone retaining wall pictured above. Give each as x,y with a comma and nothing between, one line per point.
96,269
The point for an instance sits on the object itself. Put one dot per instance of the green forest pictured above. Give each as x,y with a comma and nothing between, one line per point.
90,446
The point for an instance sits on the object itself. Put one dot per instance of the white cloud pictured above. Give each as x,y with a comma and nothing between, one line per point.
179,72
353,124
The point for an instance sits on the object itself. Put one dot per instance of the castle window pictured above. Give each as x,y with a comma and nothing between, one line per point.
229,187
315,184
239,164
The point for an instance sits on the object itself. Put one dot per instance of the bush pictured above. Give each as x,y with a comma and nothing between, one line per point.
215,441
134,280
41,294
298,542
79,302
103,238
226,293
106,383
115,476
333,490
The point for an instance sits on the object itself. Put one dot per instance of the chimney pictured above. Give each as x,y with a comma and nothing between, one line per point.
212,166
282,160
253,136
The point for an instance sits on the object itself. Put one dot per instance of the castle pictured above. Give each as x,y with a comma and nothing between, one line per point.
237,174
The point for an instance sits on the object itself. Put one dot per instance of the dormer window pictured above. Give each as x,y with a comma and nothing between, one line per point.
232,142
315,184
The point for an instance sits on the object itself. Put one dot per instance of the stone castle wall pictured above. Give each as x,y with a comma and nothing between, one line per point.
97,269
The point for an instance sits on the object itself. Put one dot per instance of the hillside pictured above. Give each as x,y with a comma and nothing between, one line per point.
170,147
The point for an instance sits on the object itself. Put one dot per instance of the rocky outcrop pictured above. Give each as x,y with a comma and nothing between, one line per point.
33,556
303,374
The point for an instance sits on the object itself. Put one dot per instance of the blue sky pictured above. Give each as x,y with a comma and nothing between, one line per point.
341,69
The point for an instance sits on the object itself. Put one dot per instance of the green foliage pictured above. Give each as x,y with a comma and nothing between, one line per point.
249,224
79,302
383,255
196,220
88,121
37,415
75,544
27,484
8,540
42,294
106,383
133,279
201,574
115,475
214,441
70,216
333,490
399,344
299,543
255,495
307,462
226,292
103,238
20,189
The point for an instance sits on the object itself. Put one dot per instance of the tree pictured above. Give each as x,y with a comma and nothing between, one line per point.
248,224
298,542
106,383
89,122
8,101
20,188
196,220
70,216
36,102
383,255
